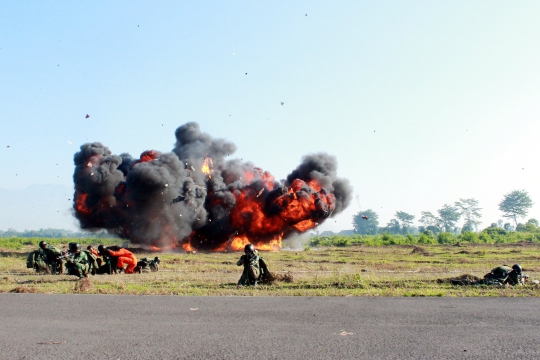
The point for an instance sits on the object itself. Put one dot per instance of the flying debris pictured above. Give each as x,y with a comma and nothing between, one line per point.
178,199
246,73
260,192
8,146
87,116
70,143
364,217
282,103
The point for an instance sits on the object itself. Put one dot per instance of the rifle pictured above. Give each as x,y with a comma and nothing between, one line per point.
67,255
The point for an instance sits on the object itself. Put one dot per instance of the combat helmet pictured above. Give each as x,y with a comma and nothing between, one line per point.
101,249
74,247
517,268
42,244
249,249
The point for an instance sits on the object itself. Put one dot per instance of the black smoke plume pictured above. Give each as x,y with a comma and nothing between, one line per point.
195,198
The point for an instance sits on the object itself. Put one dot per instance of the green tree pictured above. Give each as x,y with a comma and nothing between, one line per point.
428,220
393,227
367,225
448,216
469,209
515,204
405,219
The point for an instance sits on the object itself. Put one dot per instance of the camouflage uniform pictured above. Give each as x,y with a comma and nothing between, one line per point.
45,260
252,269
78,265
502,275
146,265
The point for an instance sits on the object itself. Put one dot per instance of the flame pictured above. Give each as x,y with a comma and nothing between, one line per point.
314,184
154,248
305,225
146,156
80,203
238,243
187,247
207,166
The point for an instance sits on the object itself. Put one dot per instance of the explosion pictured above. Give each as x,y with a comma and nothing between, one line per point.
194,198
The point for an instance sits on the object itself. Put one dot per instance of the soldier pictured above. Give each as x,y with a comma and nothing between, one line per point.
77,263
499,276
109,264
92,250
154,264
146,265
502,275
45,259
252,269
123,257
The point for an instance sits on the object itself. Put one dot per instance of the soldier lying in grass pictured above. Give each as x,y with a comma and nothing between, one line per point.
499,276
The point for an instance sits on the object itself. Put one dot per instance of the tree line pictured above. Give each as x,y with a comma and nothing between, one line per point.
53,233
514,206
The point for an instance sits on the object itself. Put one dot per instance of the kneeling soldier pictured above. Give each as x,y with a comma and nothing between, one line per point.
77,264
252,269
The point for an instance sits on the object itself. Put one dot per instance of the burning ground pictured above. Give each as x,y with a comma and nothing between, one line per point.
194,198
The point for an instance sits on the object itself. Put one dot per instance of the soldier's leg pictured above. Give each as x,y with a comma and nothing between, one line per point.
264,269
130,262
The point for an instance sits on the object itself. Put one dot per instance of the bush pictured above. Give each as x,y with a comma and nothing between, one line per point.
494,231
469,236
446,238
426,239
343,241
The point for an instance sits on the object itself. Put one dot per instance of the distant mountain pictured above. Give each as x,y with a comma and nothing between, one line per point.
38,206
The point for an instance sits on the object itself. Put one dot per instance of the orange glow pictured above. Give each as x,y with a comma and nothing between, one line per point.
154,248
314,184
80,203
187,247
248,176
207,166
239,243
146,156
305,225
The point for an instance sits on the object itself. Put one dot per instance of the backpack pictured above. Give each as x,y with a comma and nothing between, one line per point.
30,262
143,265
154,265
37,260
92,261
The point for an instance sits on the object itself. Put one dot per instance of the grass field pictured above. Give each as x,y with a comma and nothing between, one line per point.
351,271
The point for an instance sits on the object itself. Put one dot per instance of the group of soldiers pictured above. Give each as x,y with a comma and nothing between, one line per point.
82,263
114,259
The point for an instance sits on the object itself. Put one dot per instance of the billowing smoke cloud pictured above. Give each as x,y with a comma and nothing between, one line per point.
193,197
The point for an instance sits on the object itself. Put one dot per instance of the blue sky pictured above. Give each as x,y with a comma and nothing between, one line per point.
422,103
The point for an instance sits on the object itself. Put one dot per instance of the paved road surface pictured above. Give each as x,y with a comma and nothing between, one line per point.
172,327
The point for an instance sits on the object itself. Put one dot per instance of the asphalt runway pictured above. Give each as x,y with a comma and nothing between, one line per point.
37,326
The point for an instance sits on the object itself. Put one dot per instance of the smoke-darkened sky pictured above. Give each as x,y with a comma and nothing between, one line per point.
421,103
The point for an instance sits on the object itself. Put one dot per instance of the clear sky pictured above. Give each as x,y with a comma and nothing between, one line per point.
422,102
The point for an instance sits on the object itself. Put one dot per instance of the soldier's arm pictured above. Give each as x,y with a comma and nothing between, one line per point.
241,261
